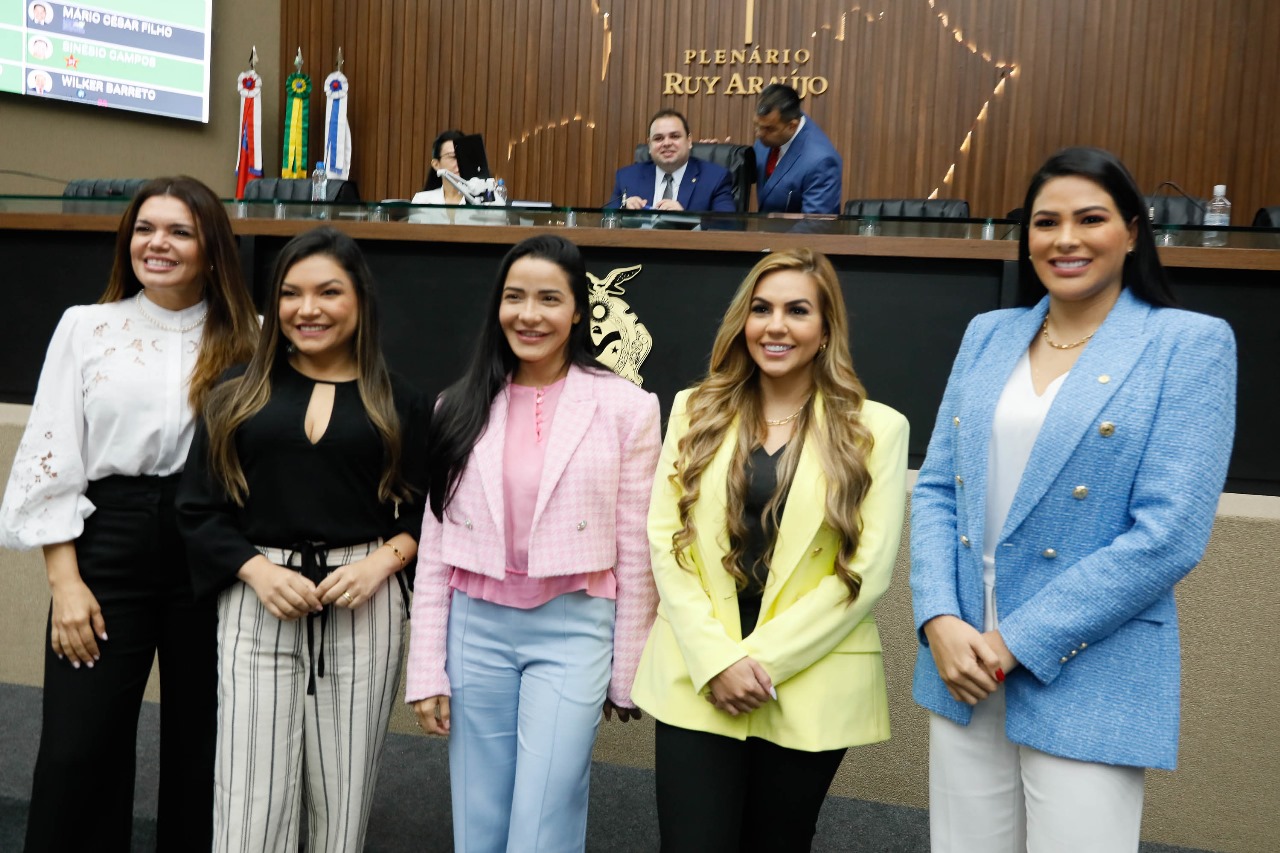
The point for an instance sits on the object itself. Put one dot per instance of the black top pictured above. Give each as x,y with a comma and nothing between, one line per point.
762,479
299,492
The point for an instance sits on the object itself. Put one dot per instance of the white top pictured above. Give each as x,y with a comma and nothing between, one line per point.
453,213
435,196
112,399
676,177
1019,415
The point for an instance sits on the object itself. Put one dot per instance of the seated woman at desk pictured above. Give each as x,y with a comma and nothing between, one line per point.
436,190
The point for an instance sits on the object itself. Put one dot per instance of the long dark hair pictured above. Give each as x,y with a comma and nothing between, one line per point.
463,412
231,325
434,181
236,400
1142,273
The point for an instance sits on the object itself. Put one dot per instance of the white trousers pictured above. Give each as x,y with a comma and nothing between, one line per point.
989,795
280,748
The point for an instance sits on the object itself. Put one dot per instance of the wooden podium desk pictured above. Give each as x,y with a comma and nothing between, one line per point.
911,287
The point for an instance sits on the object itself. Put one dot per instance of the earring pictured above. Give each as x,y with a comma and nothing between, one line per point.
822,348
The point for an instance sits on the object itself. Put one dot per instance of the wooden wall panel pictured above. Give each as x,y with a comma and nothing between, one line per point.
1182,90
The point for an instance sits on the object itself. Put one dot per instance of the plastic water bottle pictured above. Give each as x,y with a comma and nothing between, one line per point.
1217,214
319,191
500,193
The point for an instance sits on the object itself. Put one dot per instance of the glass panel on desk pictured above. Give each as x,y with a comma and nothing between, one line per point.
55,204
537,215
1201,236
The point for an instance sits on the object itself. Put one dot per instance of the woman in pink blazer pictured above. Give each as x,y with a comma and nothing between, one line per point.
534,594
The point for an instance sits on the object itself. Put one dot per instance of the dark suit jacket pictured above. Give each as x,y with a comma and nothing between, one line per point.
705,186
807,178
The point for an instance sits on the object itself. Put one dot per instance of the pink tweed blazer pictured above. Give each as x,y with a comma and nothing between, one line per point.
590,516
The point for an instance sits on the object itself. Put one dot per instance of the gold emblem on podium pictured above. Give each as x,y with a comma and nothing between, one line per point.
621,342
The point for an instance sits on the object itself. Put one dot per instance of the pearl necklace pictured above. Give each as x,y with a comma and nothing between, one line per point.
1044,331
193,325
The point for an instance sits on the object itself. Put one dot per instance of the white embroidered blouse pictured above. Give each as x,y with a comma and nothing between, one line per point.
112,399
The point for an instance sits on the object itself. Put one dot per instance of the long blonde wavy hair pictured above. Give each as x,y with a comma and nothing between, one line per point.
731,390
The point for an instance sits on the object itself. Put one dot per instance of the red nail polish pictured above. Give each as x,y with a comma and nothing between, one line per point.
999,674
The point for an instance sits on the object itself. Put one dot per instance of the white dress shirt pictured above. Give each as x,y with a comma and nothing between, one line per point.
676,177
112,399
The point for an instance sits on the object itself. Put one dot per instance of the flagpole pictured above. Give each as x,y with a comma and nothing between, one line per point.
337,134
249,151
297,91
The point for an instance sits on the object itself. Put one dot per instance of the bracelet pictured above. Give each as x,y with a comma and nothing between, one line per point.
396,551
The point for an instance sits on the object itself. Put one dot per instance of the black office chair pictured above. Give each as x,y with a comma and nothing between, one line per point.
740,160
98,189
1176,209
299,189
913,208
112,188
1267,217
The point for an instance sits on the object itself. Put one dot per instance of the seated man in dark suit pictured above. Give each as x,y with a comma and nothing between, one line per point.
673,180
799,169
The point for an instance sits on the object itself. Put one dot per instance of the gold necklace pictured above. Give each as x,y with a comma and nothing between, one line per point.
784,421
1044,331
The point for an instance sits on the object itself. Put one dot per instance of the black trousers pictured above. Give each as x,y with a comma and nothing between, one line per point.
133,561
716,793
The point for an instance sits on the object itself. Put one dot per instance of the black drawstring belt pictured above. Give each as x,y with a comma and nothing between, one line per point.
315,568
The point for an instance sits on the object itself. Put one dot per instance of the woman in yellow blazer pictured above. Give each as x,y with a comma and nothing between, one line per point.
773,526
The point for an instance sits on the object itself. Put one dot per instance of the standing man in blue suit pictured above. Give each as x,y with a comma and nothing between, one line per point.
800,171
672,180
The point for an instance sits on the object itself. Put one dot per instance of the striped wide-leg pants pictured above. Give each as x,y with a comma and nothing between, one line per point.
280,748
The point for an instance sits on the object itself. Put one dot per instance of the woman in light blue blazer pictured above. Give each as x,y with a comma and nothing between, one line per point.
1070,482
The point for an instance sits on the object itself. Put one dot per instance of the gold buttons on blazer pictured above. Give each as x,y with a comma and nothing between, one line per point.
1084,645
1107,429
582,525
1104,378
956,421
1080,492
964,540
1073,652
1049,554
1062,660
959,480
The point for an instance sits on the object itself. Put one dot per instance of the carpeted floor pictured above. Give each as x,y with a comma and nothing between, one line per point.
411,809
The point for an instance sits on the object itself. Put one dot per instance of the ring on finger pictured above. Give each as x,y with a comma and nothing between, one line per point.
347,596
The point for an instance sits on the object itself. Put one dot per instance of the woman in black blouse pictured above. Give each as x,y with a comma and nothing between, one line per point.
300,512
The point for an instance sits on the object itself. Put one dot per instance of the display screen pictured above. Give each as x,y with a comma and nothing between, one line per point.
151,56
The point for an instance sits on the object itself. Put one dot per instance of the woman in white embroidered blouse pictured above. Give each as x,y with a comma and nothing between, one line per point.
93,484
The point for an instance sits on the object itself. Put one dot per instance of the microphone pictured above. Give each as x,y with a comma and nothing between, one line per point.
1195,202
473,190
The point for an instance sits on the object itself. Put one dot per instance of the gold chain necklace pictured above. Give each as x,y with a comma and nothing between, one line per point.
788,419
1044,331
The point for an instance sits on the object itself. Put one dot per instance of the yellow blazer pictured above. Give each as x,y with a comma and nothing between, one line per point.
822,653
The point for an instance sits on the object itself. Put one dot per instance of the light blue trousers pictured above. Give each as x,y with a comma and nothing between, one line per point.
528,687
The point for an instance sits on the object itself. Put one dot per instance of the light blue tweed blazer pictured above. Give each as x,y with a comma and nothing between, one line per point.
1114,508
